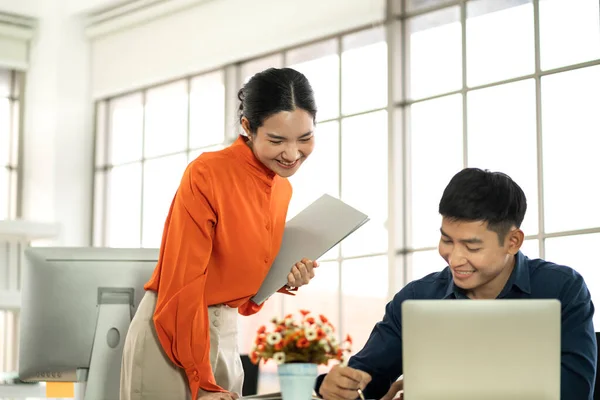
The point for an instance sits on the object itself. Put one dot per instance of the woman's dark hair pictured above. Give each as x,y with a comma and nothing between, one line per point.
474,194
272,91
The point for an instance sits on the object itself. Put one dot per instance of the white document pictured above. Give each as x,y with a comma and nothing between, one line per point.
311,233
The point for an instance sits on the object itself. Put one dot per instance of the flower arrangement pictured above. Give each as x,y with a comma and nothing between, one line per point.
307,340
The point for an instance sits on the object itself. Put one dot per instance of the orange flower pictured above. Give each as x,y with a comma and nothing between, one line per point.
288,316
262,329
260,339
304,312
254,357
302,343
348,339
278,346
310,320
321,334
279,329
323,318
261,347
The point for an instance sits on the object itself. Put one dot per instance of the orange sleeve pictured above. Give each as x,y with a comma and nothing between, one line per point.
181,315
250,307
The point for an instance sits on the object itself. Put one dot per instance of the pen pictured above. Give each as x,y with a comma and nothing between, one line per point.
360,393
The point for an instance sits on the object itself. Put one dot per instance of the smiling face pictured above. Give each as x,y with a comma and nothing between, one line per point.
284,141
480,263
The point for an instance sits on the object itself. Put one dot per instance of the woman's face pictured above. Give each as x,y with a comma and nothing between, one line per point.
283,141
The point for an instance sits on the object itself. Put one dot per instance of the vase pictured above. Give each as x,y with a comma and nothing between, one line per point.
297,380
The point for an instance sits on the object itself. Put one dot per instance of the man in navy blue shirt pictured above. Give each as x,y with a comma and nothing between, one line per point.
480,240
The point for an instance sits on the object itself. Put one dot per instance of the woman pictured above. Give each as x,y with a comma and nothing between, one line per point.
223,230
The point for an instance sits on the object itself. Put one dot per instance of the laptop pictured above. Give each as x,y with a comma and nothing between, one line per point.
481,349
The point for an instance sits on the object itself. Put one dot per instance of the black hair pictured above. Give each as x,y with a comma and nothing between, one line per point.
274,90
474,194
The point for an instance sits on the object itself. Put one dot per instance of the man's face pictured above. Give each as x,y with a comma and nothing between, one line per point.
479,263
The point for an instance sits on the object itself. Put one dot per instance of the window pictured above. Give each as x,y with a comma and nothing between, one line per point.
496,111
9,142
144,142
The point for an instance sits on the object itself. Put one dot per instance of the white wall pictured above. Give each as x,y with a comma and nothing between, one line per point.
26,8
57,164
213,33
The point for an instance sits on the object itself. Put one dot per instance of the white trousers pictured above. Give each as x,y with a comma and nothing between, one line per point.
148,374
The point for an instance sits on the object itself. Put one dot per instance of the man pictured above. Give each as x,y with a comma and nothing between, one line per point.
480,240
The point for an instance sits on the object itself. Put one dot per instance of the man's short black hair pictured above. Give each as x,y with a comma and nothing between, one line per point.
474,194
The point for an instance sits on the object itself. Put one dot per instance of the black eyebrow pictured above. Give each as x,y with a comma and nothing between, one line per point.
467,241
277,137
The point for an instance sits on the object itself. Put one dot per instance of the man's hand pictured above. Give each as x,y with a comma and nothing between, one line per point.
342,383
394,389
301,273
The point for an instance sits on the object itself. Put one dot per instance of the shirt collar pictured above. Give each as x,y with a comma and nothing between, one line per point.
519,278
245,154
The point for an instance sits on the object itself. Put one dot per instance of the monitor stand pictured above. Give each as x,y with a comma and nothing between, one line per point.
102,380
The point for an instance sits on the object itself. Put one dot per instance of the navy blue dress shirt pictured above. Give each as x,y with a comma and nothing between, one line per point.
531,279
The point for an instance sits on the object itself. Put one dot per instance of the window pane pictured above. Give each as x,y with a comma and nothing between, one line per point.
423,263
569,32
531,248
492,56
364,291
250,68
101,134
4,193
570,104
99,207
436,154
502,137
364,180
577,253
207,110
435,53
320,64
319,174
161,180
364,71
166,119
416,5
193,154
123,208
4,131
321,296
126,127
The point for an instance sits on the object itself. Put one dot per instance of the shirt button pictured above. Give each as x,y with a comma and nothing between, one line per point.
217,312
196,378
266,260
195,372
216,323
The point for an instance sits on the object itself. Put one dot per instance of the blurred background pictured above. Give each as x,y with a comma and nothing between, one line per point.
104,102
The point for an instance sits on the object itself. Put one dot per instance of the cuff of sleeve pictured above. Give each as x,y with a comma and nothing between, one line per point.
249,308
197,380
287,291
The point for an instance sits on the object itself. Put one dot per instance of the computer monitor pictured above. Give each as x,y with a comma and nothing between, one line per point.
481,349
76,307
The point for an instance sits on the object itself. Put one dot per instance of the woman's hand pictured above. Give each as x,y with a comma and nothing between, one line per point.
217,395
302,272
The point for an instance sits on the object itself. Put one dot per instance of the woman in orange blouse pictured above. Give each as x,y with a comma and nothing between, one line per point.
222,233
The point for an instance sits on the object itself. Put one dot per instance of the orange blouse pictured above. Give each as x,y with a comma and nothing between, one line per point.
222,233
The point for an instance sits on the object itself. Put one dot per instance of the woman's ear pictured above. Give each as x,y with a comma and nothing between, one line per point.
246,126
